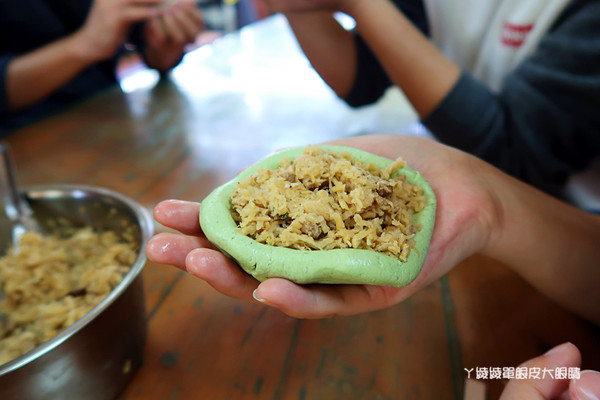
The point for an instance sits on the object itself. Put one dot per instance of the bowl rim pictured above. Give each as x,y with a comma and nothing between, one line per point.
145,221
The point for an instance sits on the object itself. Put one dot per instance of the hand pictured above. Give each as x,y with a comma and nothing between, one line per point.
168,33
465,216
587,387
108,24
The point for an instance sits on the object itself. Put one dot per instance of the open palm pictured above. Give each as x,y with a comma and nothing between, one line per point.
465,215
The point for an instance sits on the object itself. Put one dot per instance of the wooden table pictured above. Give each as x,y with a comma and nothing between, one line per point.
225,106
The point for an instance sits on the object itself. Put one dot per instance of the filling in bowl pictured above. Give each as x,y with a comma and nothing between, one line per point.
49,282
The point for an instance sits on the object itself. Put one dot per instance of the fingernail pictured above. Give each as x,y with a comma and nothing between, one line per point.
587,387
255,295
558,349
195,263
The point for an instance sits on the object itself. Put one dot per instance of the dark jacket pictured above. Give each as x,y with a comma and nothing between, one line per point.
543,125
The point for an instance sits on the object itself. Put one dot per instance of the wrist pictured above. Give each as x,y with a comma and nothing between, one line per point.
84,50
491,194
502,193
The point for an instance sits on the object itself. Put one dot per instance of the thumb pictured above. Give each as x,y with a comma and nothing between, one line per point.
587,387
545,385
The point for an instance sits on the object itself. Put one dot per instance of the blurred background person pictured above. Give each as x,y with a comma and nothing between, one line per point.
513,82
56,52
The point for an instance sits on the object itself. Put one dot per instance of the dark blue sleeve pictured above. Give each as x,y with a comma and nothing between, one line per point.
27,25
4,60
371,80
544,124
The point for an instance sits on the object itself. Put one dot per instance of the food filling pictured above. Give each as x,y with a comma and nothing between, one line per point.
324,200
49,282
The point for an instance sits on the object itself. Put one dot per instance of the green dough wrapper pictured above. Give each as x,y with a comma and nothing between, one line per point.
338,266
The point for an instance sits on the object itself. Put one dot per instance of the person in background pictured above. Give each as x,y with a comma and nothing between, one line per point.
56,52
513,82
481,210
245,12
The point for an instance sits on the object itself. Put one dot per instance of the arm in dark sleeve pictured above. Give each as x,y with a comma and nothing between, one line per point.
371,80
544,124
4,61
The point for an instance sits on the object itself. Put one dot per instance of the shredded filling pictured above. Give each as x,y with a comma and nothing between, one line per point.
52,281
324,200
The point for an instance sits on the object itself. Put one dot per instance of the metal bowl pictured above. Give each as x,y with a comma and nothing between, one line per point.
96,357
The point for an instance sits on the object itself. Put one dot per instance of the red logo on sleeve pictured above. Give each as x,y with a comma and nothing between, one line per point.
514,35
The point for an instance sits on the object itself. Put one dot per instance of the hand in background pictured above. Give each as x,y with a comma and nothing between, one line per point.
105,29
170,31
549,387
109,22
465,216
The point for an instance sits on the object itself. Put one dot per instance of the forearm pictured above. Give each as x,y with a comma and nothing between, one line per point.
328,46
552,245
35,75
411,61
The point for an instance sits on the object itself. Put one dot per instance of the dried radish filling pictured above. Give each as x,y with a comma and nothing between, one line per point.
323,200
53,281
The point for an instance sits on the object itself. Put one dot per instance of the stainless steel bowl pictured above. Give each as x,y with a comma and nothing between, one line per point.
97,356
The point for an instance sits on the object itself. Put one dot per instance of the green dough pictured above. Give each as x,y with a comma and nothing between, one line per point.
339,266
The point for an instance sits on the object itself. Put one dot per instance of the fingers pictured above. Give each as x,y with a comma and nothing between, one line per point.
188,20
138,13
172,29
131,10
548,387
194,252
587,387
310,301
172,249
221,273
158,31
179,215
300,301
179,23
108,23
323,301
